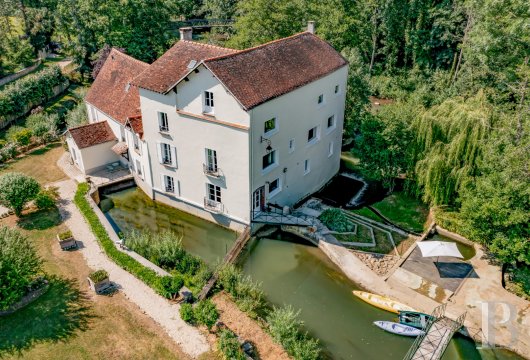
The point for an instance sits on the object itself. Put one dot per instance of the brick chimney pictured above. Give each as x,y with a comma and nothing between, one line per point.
311,26
186,33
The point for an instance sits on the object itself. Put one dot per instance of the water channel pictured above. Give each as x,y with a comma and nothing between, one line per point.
292,273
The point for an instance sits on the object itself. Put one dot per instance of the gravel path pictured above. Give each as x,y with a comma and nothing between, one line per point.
159,309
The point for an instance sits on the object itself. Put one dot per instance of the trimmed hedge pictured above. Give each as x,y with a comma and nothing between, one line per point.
148,276
32,89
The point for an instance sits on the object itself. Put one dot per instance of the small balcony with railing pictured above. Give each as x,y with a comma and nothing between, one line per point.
213,206
210,170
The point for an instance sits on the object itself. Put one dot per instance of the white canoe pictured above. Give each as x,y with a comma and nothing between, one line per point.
398,329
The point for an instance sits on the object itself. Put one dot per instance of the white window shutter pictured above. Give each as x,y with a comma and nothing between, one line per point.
163,182
174,156
159,151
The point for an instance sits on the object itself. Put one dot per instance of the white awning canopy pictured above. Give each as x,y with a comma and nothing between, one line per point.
439,248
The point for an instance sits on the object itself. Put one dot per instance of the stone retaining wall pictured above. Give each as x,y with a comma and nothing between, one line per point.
19,74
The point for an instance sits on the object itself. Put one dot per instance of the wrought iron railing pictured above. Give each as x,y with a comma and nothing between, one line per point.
213,206
273,214
211,170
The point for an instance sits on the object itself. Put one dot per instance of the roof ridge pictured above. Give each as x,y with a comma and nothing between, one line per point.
127,55
209,45
244,51
85,125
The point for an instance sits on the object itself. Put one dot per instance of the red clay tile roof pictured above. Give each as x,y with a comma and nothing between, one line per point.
136,124
92,134
109,91
259,74
167,70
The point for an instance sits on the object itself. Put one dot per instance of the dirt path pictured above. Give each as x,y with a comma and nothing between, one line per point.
248,329
159,309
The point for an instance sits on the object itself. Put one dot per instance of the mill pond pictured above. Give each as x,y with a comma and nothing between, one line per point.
292,272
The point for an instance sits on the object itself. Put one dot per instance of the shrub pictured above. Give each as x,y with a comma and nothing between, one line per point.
229,346
44,126
77,116
2,143
33,89
19,266
284,328
98,276
65,235
187,314
336,220
246,293
169,286
16,190
8,151
47,198
206,313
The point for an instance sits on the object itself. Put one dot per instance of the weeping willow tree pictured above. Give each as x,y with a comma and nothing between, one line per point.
448,143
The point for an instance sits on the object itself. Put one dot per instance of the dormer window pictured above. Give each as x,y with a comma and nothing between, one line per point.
208,102
163,124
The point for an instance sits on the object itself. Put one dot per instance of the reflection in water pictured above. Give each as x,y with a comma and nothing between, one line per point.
291,273
304,277
133,210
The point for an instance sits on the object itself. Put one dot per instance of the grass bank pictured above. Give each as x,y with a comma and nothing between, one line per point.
68,322
401,209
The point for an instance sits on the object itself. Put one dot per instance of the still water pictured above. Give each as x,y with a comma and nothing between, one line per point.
292,273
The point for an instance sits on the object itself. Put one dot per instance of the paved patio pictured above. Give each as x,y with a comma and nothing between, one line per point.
447,272
99,177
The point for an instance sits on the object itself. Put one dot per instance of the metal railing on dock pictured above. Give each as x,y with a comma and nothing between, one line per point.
438,332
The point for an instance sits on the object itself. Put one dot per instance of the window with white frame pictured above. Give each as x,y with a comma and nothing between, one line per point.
211,160
274,187
269,159
330,149
136,141
291,145
165,150
169,184
320,99
331,122
138,167
307,166
163,124
208,102
312,135
214,192
270,125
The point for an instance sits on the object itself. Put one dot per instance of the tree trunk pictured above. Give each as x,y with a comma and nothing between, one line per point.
464,38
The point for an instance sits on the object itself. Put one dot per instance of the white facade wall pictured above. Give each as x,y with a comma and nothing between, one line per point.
92,158
95,115
296,113
139,161
191,135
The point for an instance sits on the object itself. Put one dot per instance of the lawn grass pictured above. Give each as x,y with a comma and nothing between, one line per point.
40,164
68,321
402,209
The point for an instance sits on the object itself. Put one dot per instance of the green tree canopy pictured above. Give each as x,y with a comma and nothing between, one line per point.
16,190
19,265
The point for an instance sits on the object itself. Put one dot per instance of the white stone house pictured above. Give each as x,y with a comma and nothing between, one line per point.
222,133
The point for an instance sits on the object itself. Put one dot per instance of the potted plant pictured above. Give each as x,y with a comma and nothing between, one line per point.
99,281
66,240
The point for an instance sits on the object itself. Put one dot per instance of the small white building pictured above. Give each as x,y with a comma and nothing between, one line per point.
223,133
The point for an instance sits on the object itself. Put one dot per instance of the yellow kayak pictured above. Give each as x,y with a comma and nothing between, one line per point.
382,302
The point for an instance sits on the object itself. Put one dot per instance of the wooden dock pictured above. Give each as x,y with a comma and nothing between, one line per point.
229,258
438,334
